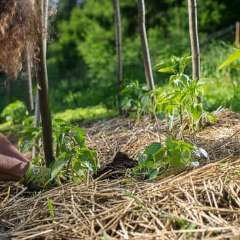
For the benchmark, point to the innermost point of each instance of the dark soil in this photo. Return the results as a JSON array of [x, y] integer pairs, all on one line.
[[117, 167]]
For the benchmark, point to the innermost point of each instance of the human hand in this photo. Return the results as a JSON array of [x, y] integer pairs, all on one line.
[[13, 164]]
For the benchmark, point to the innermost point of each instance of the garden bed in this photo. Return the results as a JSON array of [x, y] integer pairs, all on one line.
[[195, 204]]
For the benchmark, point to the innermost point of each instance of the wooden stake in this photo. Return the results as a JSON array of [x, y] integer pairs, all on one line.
[[29, 75], [43, 96], [118, 40], [194, 39], [145, 47]]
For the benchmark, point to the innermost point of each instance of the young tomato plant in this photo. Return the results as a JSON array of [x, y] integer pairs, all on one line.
[[181, 100], [74, 160], [160, 158]]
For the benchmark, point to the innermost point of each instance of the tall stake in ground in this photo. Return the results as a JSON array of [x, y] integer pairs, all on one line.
[[145, 48], [45, 4], [193, 30], [118, 40], [43, 93], [29, 75]]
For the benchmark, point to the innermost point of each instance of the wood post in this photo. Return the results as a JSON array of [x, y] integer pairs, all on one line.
[[118, 40], [43, 95], [29, 76], [45, 35], [145, 47], [194, 39]]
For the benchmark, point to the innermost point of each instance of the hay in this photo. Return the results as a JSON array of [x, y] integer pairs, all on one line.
[[120, 134], [203, 203]]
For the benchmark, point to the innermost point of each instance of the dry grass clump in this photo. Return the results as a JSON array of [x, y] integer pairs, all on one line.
[[18, 28]]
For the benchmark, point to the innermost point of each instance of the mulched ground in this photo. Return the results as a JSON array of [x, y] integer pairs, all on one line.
[[202, 203]]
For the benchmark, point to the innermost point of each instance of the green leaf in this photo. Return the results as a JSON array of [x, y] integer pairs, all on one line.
[[152, 149], [153, 173], [57, 167], [197, 112], [79, 135], [232, 58], [168, 69]]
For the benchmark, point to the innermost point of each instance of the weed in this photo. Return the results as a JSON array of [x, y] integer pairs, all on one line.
[[51, 208]]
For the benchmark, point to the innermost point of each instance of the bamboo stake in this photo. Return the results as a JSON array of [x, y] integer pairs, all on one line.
[[29, 73], [43, 96], [45, 36], [194, 39], [118, 40], [145, 47]]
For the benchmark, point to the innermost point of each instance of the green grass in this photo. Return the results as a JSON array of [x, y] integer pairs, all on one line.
[[77, 115], [85, 114]]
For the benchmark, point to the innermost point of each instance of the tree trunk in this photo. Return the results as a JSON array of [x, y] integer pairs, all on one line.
[[29, 74], [43, 96], [118, 40], [193, 30], [144, 41]]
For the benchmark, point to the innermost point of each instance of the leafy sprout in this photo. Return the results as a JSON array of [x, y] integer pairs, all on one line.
[[159, 158]]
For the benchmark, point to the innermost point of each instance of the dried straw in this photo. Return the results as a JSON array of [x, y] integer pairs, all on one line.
[[202, 203]]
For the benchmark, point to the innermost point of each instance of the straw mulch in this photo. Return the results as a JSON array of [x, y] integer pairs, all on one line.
[[120, 134], [202, 203]]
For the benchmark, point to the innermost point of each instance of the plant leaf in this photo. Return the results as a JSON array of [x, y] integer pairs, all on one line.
[[79, 135], [232, 58], [152, 149], [57, 167]]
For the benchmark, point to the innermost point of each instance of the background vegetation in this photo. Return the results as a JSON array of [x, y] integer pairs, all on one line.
[[81, 56]]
